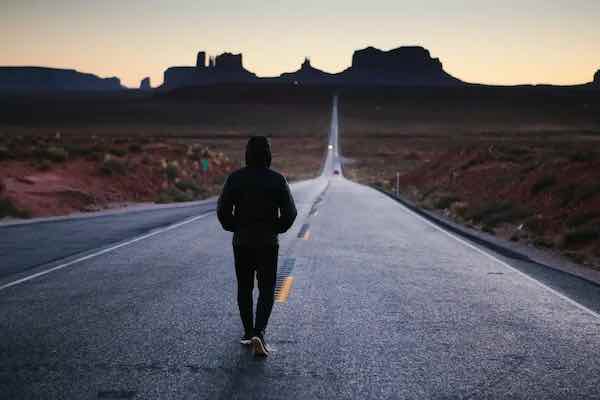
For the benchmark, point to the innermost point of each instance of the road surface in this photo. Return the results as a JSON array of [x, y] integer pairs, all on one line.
[[379, 304]]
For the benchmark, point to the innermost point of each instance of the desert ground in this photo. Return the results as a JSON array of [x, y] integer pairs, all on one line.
[[521, 163], [62, 153]]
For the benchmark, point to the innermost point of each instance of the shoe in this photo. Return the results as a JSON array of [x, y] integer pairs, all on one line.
[[246, 340], [259, 346]]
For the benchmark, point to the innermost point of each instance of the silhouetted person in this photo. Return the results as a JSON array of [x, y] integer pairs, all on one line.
[[256, 204]]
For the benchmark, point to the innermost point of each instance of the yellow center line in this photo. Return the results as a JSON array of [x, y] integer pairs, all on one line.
[[282, 294]]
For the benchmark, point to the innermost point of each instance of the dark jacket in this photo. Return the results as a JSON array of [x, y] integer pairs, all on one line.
[[256, 203]]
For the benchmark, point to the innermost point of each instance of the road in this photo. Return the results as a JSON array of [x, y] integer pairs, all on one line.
[[382, 305]]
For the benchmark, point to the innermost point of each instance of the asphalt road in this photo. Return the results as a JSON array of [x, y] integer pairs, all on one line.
[[383, 305]]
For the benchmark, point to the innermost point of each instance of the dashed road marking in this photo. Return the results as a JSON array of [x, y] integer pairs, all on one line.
[[303, 230], [282, 294], [283, 285]]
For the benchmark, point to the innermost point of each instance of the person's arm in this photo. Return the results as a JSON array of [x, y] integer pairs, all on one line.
[[225, 208], [287, 209]]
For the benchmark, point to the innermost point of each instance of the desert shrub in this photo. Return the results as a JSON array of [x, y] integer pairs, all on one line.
[[543, 183], [188, 185], [117, 151], [43, 165], [513, 154], [582, 235], [197, 153], [583, 156], [220, 179], [56, 154], [172, 170], [459, 208], [487, 228], [113, 166], [566, 194], [427, 192], [542, 242], [527, 168], [535, 225], [445, 201], [585, 192], [471, 163], [493, 213], [99, 148], [76, 149], [575, 256], [9, 209], [135, 148], [582, 219], [4, 153], [174, 195]]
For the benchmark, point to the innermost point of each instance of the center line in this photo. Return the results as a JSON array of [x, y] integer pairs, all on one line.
[[282, 295]]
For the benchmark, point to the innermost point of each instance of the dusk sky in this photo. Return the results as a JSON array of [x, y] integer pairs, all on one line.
[[497, 42]]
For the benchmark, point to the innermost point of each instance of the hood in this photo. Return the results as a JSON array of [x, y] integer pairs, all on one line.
[[258, 152]]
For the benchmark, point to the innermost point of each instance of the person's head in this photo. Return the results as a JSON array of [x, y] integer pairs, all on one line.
[[258, 152]]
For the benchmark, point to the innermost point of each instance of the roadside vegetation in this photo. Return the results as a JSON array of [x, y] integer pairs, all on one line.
[[525, 168], [54, 174]]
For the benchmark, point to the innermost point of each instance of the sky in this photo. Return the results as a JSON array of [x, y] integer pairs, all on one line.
[[494, 42]]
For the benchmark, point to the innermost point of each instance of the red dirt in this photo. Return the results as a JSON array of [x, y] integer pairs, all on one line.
[[79, 184], [549, 189], [541, 191]]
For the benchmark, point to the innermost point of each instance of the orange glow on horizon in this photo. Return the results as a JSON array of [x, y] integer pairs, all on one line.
[[529, 41]]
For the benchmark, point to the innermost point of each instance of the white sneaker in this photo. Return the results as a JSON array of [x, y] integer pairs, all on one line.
[[246, 340], [259, 346]]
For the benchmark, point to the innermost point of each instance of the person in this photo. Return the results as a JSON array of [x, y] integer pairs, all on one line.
[[256, 205]]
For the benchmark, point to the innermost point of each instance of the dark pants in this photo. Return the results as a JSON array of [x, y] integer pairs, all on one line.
[[263, 260]]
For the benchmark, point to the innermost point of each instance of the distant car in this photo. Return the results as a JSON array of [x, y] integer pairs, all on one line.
[[336, 171]]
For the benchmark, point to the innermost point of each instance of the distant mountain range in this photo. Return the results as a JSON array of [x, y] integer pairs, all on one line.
[[403, 66], [51, 79]]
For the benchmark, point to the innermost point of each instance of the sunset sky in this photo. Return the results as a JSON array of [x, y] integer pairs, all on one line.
[[498, 42]]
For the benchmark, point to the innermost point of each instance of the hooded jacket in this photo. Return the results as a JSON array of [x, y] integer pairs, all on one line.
[[256, 203]]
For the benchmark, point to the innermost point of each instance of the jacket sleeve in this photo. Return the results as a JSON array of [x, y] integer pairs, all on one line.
[[287, 209], [225, 208]]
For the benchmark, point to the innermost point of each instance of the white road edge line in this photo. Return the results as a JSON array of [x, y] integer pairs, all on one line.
[[491, 256], [104, 251]]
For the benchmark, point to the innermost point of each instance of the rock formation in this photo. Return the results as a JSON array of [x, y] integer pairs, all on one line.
[[597, 78], [145, 84], [201, 59], [45, 79], [410, 65], [229, 62], [224, 68], [307, 74], [405, 66]]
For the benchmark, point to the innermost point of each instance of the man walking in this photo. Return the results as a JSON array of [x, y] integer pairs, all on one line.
[[256, 204]]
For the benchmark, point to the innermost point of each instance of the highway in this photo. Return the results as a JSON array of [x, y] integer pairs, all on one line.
[[378, 304]]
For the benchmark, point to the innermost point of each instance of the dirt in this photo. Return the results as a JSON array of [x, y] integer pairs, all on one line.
[[38, 186], [38, 180], [54, 146], [521, 163]]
